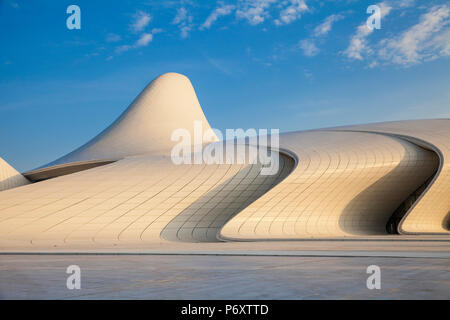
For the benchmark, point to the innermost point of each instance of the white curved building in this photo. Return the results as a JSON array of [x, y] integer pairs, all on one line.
[[345, 183], [9, 177], [431, 213], [122, 188]]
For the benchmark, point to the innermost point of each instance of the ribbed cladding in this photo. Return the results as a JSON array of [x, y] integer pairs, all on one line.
[[10, 177], [346, 184], [405, 206], [429, 215], [203, 220]]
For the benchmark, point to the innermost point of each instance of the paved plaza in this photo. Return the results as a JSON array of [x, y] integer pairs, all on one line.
[[221, 277]]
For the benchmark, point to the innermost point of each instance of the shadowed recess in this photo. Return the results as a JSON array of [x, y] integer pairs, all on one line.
[[399, 213], [64, 169], [410, 175], [447, 221], [202, 220]]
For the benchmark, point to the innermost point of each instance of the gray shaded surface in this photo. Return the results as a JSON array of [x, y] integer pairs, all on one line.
[[278, 253], [222, 277]]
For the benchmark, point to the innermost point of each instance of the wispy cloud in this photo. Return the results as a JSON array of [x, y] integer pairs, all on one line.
[[184, 22], [123, 48], [291, 12], [181, 16], [221, 66], [112, 37], [222, 10], [358, 42], [426, 40], [325, 27], [141, 20], [308, 47], [143, 41], [405, 3], [258, 11], [14, 4], [254, 11]]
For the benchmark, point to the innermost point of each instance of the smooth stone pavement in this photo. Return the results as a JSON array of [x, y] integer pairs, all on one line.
[[221, 277]]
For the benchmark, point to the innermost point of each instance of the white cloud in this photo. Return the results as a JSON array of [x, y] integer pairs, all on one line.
[[426, 40], [223, 10], [405, 3], [184, 31], [144, 40], [123, 48], [254, 11], [184, 22], [112, 37], [291, 12], [157, 30], [141, 20], [358, 42], [308, 47], [441, 42], [181, 16], [326, 25]]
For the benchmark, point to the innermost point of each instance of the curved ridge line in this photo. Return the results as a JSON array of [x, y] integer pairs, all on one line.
[[287, 153], [422, 144]]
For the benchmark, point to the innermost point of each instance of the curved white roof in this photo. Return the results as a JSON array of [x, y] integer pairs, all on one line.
[[431, 213], [10, 177]]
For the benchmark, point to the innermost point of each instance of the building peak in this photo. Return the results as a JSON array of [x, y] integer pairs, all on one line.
[[167, 103]]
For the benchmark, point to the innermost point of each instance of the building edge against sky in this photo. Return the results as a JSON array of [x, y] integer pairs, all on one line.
[[121, 188]]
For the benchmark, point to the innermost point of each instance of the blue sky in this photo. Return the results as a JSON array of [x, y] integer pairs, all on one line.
[[289, 64]]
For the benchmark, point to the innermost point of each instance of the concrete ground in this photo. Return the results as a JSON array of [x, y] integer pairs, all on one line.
[[404, 246], [221, 277]]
